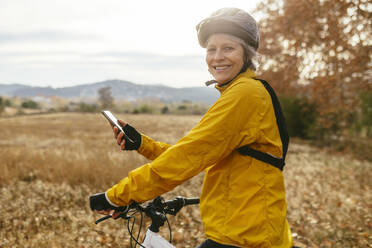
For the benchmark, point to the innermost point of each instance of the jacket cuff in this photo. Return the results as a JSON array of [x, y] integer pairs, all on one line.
[[115, 195], [143, 147], [110, 202]]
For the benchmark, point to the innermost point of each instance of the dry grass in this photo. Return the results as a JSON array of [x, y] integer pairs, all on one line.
[[76, 148], [50, 164], [329, 198]]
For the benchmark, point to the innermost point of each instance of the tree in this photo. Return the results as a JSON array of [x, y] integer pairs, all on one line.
[[1, 105], [105, 97], [320, 49], [165, 110]]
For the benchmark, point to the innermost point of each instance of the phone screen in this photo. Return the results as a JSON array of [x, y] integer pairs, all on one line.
[[112, 119]]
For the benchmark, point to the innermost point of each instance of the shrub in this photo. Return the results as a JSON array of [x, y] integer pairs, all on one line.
[[165, 110], [144, 109], [362, 118], [300, 115], [366, 98], [30, 104], [85, 107], [7, 103], [182, 107], [1, 104]]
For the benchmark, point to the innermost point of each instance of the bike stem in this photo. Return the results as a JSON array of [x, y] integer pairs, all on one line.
[[153, 210], [157, 220]]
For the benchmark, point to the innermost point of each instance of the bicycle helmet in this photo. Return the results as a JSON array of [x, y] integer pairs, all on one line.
[[231, 21]]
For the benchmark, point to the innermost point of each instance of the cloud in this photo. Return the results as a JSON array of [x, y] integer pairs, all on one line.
[[14, 54], [44, 35], [63, 68], [70, 42], [119, 58], [150, 60]]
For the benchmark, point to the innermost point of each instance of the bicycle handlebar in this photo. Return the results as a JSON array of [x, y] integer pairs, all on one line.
[[192, 201], [180, 200], [156, 206], [175, 205], [157, 210]]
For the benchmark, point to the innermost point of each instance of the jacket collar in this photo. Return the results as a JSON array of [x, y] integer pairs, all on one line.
[[246, 74]]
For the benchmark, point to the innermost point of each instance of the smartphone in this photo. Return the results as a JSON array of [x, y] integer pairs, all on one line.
[[112, 119]]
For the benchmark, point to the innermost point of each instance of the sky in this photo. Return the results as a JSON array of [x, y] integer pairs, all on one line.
[[64, 43]]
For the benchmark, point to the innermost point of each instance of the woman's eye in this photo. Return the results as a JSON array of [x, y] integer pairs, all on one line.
[[228, 48], [211, 50]]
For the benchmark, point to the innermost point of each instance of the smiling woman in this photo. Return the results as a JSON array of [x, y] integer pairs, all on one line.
[[243, 200], [225, 57]]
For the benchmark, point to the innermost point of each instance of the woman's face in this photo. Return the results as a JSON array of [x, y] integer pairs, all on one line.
[[224, 57]]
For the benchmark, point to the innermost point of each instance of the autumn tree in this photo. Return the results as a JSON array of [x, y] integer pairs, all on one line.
[[105, 97], [320, 49]]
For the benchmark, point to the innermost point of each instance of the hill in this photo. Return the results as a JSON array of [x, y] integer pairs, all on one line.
[[121, 90]]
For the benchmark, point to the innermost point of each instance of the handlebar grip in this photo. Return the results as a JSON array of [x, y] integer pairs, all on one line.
[[103, 218], [191, 201]]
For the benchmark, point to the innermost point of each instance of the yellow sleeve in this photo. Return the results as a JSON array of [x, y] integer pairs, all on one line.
[[234, 116], [150, 148]]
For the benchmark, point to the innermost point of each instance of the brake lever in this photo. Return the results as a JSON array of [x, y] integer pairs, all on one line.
[[121, 215]]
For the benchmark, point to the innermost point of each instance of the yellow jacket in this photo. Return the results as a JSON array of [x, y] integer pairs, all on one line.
[[243, 199]]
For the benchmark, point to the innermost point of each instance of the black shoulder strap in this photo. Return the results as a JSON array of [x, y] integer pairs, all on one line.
[[282, 126]]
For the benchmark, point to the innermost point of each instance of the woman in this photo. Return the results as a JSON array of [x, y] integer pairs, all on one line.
[[242, 202]]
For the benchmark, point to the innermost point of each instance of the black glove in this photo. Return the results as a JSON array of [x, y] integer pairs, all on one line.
[[99, 202], [135, 137]]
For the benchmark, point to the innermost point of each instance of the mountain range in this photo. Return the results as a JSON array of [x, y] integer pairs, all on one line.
[[120, 90]]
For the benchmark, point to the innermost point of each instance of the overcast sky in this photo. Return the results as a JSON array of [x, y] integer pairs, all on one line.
[[62, 43]]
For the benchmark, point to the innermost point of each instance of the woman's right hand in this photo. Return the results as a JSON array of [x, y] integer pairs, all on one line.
[[99, 203], [134, 141]]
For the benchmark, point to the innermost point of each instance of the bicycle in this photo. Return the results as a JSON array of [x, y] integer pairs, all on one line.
[[157, 210]]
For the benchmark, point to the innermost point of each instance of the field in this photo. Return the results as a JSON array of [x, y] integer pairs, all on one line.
[[50, 164]]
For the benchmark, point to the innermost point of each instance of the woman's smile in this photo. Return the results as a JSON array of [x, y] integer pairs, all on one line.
[[221, 68]]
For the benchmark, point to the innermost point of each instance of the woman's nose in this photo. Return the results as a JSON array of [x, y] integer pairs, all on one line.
[[219, 55]]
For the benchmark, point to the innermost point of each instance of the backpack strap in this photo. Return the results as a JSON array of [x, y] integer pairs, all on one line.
[[282, 126]]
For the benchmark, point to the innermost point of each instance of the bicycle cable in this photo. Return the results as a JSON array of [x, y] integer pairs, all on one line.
[[157, 211], [130, 231], [170, 229]]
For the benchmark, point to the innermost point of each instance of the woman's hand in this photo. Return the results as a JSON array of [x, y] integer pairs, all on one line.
[[119, 135], [133, 140], [100, 204]]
